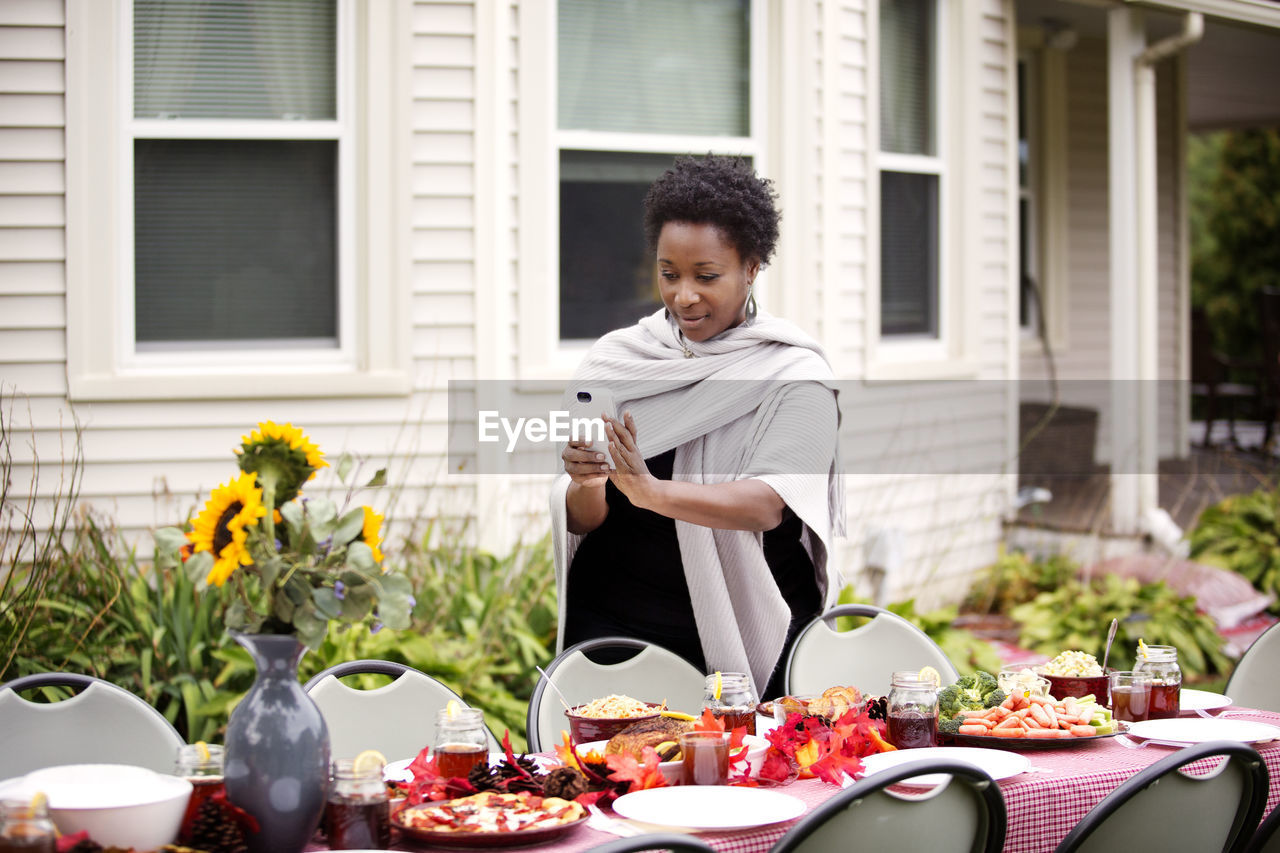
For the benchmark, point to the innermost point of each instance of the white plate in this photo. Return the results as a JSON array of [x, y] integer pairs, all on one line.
[[1201, 700], [398, 771], [1200, 729], [997, 763], [713, 807]]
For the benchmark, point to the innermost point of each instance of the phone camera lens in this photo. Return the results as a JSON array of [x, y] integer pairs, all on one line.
[[584, 397]]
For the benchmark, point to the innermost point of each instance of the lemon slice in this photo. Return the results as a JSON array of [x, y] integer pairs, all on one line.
[[931, 674], [39, 802], [680, 715], [719, 686], [1142, 650], [369, 761], [451, 710], [203, 749]]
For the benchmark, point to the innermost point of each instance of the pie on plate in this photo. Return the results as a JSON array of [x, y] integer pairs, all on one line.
[[501, 818]]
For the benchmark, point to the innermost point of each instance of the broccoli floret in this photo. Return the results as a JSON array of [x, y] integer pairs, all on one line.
[[950, 726], [994, 698], [986, 682], [967, 682], [951, 701]]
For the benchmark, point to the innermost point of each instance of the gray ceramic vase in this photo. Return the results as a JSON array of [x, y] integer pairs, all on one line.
[[277, 758]]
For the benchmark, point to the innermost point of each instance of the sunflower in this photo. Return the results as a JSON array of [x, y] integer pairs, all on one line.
[[372, 533], [222, 526], [283, 456]]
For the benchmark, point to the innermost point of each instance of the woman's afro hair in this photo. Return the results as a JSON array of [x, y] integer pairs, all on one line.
[[721, 191]]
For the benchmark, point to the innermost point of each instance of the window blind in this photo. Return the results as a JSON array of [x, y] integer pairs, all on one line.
[[234, 240], [247, 59], [655, 66], [907, 72], [908, 254]]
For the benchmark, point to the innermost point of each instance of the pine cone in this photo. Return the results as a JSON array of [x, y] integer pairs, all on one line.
[[564, 782], [877, 707], [214, 830]]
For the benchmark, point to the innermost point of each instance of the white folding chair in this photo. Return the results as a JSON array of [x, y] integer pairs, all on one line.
[[650, 675], [677, 842], [1161, 808], [102, 724], [865, 657], [1253, 683], [397, 719], [965, 814]]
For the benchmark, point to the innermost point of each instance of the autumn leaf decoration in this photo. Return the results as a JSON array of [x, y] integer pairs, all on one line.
[[811, 746], [641, 774]]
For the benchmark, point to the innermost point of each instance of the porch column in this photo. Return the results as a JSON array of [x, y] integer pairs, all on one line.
[[1132, 200]]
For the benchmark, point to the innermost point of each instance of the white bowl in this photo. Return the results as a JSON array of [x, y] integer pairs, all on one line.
[[756, 748], [117, 804]]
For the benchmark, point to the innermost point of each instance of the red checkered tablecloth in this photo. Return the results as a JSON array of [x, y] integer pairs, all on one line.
[[1043, 804]]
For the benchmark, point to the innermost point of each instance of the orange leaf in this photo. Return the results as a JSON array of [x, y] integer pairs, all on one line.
[[709, 722], [641, 775]]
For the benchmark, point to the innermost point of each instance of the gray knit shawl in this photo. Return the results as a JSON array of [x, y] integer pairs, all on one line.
[[717, 429]]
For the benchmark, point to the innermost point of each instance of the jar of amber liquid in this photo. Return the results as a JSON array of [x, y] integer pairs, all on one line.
[[1160, 663], [201, 765], [461, 741], [731, 699], [25, 827], [357, 815]]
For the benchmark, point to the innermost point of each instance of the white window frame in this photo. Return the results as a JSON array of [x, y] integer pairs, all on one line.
[[542, 352], [372, 356], [952, 354], [1031, 194]]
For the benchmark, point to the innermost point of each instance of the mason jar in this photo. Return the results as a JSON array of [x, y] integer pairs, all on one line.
[[731, 699], [1161, 664], [461, 741], [201, 765], [911, 711], [25, 827], [357, 815]]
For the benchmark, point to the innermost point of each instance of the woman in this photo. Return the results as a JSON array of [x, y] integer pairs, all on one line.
[[711, 535]]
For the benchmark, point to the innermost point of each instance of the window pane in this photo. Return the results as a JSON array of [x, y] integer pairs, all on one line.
[[907, 98], [908, 254], [607, 277], [235, 240], [657, 66], [258, 59]]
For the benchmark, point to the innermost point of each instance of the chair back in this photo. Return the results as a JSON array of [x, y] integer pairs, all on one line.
[[1253, 682], [1267, 838], [865, 657], [651, 674], [965, 814], [1162, 808], [102, 724], [397, 719]]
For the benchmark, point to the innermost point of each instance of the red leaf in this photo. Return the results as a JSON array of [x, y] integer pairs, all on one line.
[[641, 775], [709, 722]]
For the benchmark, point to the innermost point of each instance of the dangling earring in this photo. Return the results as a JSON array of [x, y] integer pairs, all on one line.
[[751, 302]]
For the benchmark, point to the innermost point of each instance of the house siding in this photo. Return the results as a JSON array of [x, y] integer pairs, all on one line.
[[149, 462]]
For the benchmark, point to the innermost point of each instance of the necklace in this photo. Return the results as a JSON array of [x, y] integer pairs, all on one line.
[[688, 353]]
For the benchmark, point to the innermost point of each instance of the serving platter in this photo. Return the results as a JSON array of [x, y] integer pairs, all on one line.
[[514, 838], [716, 808], [998, 764], [990, 742]]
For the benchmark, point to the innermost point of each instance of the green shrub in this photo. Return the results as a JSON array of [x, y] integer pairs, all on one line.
[[1077, 615], [1242, 533], [1015, 578]]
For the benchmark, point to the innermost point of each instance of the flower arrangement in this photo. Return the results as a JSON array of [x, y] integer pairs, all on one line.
[[294, 563]]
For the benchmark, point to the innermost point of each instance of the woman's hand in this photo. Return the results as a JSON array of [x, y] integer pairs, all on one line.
[[585, 466], [631, 474]]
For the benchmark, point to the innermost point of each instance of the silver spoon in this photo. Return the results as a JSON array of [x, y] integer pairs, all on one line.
[[552, 685], [1106, 653]]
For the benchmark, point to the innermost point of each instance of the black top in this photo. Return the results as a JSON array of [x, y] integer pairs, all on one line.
[[627, 578]]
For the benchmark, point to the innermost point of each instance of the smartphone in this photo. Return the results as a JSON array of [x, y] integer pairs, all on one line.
[[585, 407]]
